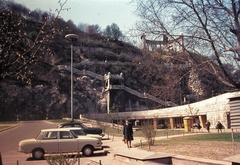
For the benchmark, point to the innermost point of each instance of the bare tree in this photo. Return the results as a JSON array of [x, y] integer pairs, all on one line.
[[92, 29], [19, 50], [210, 29], [149, 132]]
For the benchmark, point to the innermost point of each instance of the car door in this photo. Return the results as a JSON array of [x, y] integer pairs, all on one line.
[[67, 142], [49, 142]]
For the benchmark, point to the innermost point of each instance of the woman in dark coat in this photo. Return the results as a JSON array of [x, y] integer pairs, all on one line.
[[128, 133]]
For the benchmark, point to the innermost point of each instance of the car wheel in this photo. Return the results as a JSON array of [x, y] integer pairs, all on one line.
[[87, 150], [37, 153]]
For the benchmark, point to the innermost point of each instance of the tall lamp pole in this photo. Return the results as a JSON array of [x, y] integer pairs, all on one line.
[[72, 38]]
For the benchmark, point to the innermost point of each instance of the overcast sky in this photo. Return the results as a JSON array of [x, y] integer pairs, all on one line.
[[101, 12]]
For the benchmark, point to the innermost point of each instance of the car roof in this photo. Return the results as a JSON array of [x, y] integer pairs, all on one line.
[[72, 122], [57, 129], [72, 128]]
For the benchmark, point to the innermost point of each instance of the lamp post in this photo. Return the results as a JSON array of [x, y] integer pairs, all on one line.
[[72, 38]]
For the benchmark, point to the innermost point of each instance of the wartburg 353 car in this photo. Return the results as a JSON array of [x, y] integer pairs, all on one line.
[[53, 141]]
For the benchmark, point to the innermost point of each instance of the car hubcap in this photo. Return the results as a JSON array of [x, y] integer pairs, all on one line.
[[88, 151], [38, 154]]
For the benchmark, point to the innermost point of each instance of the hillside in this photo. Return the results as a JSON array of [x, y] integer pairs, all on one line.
[[32, 87]]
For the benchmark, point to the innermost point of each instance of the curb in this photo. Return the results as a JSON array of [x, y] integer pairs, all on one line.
[[10, 126]]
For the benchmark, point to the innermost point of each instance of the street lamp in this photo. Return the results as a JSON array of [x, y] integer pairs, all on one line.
[[72, 38]]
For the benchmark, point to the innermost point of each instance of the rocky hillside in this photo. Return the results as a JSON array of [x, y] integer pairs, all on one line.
[[33, 87]]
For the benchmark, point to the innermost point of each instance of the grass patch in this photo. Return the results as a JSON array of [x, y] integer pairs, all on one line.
[[195, 139], [139, 133], [170, 132], [221, 137], [3, 127], [9, 122], [226, 137]]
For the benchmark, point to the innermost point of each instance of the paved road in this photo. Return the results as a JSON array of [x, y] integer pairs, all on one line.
[[9, 140]]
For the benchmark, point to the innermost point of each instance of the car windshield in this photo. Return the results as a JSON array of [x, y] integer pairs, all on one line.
[[74, 135], [39, 135], [66, 125], [83, 126]]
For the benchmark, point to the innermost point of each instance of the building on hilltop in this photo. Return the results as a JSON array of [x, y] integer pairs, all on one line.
[[176, 44]]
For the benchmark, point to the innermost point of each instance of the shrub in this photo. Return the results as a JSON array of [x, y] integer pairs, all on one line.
[[149, 132], [61, 159]]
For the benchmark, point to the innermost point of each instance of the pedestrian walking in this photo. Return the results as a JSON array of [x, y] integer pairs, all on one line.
[[208, 126], [128, 133], [219, 126]]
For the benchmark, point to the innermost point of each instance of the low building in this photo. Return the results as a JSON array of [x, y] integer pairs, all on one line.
[[224, 108]]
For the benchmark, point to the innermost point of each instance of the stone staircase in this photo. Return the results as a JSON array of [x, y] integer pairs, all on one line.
[[127, 89]]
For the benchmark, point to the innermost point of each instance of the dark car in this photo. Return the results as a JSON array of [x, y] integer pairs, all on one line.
[[87, 130]]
